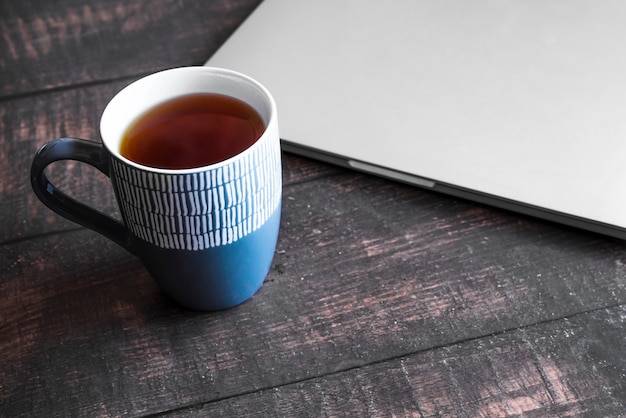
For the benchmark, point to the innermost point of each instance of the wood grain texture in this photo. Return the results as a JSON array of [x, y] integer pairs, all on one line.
[[47, 44], [86, 332], [563, 368], [382, 300], [28, 123]]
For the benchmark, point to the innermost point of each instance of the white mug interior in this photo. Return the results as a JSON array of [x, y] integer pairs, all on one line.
[[142, 95]]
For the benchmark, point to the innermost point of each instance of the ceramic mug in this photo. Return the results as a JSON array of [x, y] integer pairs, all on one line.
[[207, 235]]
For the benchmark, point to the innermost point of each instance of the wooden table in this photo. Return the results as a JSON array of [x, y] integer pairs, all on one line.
[[383, 299]]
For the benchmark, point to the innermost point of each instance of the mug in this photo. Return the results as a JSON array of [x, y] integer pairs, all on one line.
[[207, 235]]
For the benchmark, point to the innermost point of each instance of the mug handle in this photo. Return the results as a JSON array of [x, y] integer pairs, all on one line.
[[92, 153]]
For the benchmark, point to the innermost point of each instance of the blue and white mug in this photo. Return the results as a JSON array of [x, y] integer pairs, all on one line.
[[207, 235]]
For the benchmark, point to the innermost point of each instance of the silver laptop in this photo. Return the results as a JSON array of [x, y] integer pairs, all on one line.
[[520, 104]]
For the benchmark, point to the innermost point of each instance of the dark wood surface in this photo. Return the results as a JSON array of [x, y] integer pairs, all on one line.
[[383, 299]]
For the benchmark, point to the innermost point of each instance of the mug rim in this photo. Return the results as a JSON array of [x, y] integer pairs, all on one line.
[[224, 72]]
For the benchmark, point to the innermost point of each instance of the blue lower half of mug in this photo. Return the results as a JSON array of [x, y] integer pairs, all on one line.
[[215, 278]]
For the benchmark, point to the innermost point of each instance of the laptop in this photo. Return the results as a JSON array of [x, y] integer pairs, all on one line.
[[516, 104]]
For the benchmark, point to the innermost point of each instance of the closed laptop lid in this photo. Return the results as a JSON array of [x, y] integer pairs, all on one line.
[[520, 104]]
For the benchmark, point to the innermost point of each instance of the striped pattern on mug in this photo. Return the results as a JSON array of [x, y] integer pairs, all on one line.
[[203, 209]]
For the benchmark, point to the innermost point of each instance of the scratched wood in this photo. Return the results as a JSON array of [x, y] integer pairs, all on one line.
[[564, 368], [28, 123], [86, 332], [50, 44], [382, 299]]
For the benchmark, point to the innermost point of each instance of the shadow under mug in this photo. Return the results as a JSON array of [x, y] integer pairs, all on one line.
[[207, 235]]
